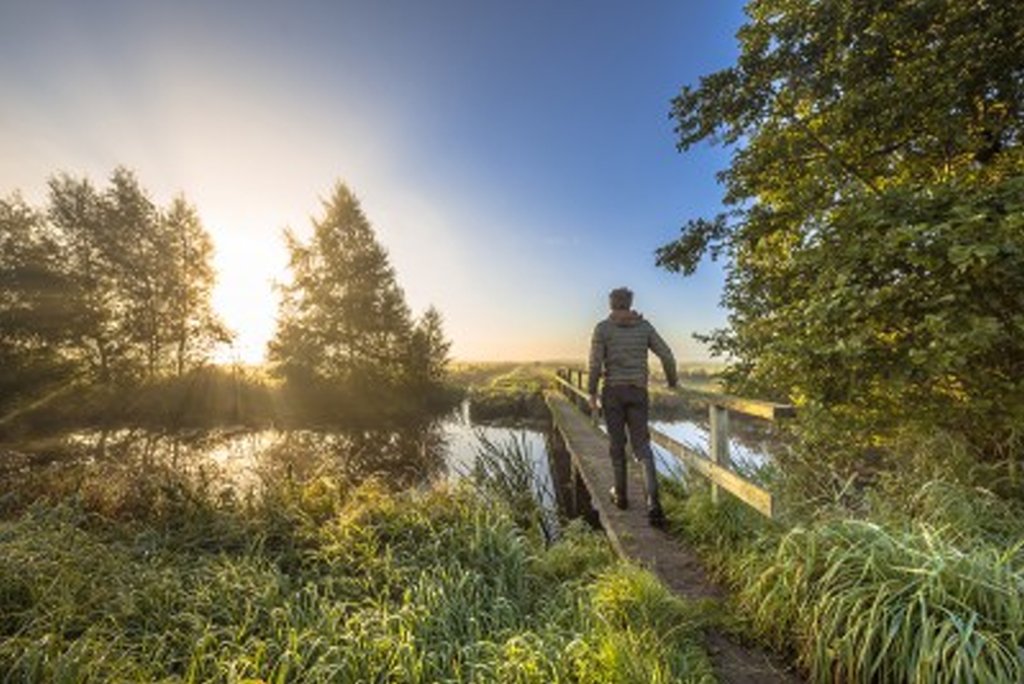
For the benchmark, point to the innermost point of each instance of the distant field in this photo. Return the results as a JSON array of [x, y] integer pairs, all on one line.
[[521, 375], [480, 374]]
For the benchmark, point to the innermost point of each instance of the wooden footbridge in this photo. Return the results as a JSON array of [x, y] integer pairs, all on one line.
[[581, 453]]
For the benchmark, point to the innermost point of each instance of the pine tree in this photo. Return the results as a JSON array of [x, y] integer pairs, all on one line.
[[428, 356], [343, 318]]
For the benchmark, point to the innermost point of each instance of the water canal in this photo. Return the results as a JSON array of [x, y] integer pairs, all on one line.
[[236, 465]]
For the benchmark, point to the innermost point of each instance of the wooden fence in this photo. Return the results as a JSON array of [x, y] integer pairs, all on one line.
[[718, 467]]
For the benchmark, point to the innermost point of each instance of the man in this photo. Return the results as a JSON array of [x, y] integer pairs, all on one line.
[[618, 352]]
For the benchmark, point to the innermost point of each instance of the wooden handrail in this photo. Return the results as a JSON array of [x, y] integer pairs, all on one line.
[[717, 468], [758, 408]]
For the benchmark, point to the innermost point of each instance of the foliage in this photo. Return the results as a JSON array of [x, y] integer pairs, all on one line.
[[343, 318], [105, 283], [931, 593], [874, 242], [330, 584], [506, 471]]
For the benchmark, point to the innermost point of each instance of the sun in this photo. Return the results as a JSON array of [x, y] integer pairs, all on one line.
[[248, 265]]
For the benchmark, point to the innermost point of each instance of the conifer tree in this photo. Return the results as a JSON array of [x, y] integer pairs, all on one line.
[[343, 317], [428, 358]]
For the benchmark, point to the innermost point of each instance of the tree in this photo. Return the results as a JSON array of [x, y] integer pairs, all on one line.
[[874, 233], [142, 268], [428, 357], [193, 327], [343, 318], [76, 217], [132, 282], [34, 307]]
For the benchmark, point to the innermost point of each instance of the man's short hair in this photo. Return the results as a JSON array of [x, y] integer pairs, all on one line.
[[620, 298]]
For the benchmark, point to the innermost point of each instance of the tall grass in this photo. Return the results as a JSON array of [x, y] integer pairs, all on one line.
[[506, 471], [318, 581], [933, 595]]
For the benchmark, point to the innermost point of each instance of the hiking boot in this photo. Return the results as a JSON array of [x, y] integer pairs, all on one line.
[[656, 517], [620, 501]]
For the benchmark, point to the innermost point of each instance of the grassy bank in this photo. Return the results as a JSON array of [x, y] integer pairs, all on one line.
[[322, 582], [925, 590], [501, 391], [508, 390], [218, 396]]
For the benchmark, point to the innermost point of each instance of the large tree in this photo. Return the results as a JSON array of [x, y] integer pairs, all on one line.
[[343, 318], [874, 239], [34, 306], [106, 281]]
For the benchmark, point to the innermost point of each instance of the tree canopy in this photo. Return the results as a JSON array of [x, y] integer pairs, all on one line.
[[104, 283], [874, 233], [343, 318]]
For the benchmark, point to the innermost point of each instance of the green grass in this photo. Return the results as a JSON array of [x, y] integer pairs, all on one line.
[[321, 582], [932, 593], [504, 391], [506, 471]]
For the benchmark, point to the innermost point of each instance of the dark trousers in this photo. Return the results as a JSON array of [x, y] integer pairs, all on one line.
[[625, 407]]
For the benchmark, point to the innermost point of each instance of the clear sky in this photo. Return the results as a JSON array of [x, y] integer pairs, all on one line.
[[515, 158]]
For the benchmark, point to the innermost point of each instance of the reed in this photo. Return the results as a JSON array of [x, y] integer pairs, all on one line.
[[507, 471]]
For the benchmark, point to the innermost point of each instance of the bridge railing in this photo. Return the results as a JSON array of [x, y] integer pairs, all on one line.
[[717, 466]]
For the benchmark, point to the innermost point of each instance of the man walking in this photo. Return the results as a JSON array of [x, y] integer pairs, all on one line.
[[618, 352]]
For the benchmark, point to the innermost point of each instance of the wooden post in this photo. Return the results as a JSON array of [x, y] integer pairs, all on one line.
[[575, 487], [560, 464], [719, 416]]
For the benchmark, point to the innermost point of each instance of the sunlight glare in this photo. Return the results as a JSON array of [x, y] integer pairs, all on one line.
[[247, 266]]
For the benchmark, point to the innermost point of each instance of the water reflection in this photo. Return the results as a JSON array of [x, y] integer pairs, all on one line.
[[116, 472], [750, 447], [128, 471]]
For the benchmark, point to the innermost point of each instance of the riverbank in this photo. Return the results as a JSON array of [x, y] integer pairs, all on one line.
[[322, 582]]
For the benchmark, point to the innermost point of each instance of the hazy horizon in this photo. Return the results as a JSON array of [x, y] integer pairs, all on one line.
[[516, 162]]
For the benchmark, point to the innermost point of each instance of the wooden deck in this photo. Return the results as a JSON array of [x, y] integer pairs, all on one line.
[[634, 539]]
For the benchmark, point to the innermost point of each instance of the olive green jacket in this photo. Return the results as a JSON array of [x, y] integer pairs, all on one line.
[[618, 351]]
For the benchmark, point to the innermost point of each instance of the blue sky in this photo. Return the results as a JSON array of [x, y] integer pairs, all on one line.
[[516, 159]]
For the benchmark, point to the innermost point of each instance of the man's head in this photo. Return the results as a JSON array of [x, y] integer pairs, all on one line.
[[620, 299]]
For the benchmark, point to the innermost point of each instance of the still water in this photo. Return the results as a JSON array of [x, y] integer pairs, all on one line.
[[124, 465]]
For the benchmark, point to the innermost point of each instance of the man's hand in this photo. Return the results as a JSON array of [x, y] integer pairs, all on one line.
[[593, 403]]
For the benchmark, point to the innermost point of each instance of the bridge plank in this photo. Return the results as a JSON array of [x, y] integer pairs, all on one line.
[[628, 531], [633, 539]]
